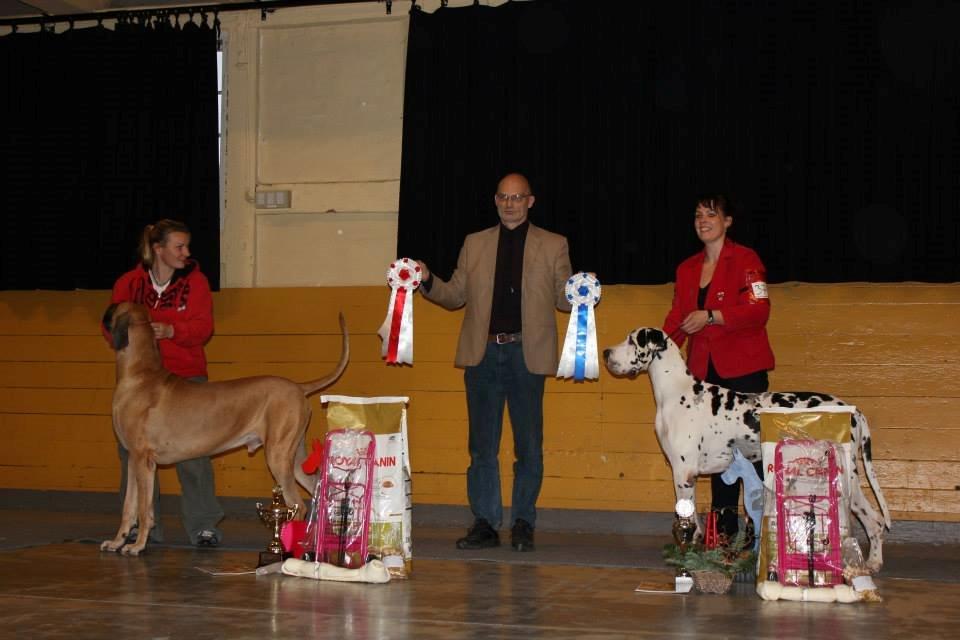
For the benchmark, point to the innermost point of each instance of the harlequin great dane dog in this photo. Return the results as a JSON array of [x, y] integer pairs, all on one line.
[[699, 425], [160, 418]]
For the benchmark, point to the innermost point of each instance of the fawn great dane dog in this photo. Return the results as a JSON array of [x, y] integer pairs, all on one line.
[[160, 418], [699, 425]]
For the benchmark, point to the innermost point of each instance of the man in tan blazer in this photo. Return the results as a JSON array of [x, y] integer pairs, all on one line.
[[509, 278]]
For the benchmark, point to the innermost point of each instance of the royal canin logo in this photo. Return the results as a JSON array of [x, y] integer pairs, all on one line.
[[805, 467]]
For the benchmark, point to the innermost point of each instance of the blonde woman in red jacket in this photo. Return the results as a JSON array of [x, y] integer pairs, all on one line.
[[720, 308], [177, 293]]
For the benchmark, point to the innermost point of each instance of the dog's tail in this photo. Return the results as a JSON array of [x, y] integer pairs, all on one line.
[[865, 445], [313, 386]]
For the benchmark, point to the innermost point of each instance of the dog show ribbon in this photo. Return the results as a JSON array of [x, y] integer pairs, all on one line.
[[403, 276], [578, 359]]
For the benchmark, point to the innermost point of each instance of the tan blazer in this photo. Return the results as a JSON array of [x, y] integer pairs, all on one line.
[[546, 268]]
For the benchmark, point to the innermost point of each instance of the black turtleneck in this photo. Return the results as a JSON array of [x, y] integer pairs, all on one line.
[[507, 280]]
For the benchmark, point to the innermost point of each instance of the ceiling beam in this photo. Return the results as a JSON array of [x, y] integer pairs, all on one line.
[[161, 8]]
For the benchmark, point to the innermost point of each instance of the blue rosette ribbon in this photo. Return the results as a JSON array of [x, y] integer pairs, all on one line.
[[579, 360]]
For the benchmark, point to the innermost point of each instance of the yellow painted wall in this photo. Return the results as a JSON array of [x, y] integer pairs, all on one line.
[[313, 105], [890, 349]]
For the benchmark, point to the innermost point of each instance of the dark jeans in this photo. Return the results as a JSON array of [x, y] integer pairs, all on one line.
[[502, 376], [726, 497], [199, 508]]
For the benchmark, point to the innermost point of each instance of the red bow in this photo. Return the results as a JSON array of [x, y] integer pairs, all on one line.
[[312, 463]]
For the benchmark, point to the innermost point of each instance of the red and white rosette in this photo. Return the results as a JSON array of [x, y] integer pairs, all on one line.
[[403, 277]]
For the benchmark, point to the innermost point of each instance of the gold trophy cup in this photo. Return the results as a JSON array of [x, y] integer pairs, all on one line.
[[274, 515]]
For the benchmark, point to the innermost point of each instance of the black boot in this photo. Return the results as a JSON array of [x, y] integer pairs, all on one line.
[[521, 536], [480, 536]]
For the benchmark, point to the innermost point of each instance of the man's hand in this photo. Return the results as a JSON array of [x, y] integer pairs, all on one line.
[[424, 271]]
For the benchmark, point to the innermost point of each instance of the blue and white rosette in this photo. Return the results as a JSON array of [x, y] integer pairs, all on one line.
[[579, 360]]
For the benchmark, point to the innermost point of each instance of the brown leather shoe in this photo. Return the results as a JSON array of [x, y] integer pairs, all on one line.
[[480, 536]]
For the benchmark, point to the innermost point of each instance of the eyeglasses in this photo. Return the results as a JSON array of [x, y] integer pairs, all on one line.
[[514, 198]]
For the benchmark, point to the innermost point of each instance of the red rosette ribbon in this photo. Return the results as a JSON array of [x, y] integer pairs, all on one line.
[[403, 277]]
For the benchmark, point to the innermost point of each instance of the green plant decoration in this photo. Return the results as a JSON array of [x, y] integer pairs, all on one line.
[[730, 558]]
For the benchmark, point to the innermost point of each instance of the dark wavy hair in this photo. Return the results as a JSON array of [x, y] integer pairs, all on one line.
[[719, 201]]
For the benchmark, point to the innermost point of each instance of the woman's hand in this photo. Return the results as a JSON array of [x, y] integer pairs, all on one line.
[[694, 322], [162, 330]]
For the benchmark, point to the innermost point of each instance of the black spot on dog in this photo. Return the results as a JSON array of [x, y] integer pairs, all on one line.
[[715, 399], [683, 399], [781, 400], [867, 450], [813, 402], [750, 419], [682, 459], [731, 396], [730, 443], [698, 387], [805, 396], [698, 447]]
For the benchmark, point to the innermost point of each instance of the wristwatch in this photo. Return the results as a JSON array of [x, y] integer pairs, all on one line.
[[709, 316]]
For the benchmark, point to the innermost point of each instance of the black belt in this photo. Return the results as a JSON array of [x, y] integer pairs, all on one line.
[[504, 338]]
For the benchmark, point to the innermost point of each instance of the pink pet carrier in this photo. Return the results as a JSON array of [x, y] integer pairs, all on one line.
[[339, 522], [808, 517]]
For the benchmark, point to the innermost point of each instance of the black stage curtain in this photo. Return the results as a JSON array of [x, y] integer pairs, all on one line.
[[834, 123], [104, 131]]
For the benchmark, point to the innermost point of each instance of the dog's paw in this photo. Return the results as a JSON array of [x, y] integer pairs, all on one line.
[[132, 549], [111, 545]]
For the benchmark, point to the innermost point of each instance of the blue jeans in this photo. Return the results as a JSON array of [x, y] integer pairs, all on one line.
[[502, 376]]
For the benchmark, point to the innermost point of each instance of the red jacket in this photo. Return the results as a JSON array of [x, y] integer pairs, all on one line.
[[739, 346], [186, 304]]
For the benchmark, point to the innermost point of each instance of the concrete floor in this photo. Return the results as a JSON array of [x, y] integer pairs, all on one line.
[[54, 582]]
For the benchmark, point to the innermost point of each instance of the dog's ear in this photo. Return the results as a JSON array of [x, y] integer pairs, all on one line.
[[108, 318], [653, 339], [120, 332], [658, 339]]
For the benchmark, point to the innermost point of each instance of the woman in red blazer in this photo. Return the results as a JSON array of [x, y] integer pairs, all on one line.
[[720, 305]]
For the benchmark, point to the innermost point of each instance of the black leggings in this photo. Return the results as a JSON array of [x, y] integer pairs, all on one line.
[[726, 497]]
